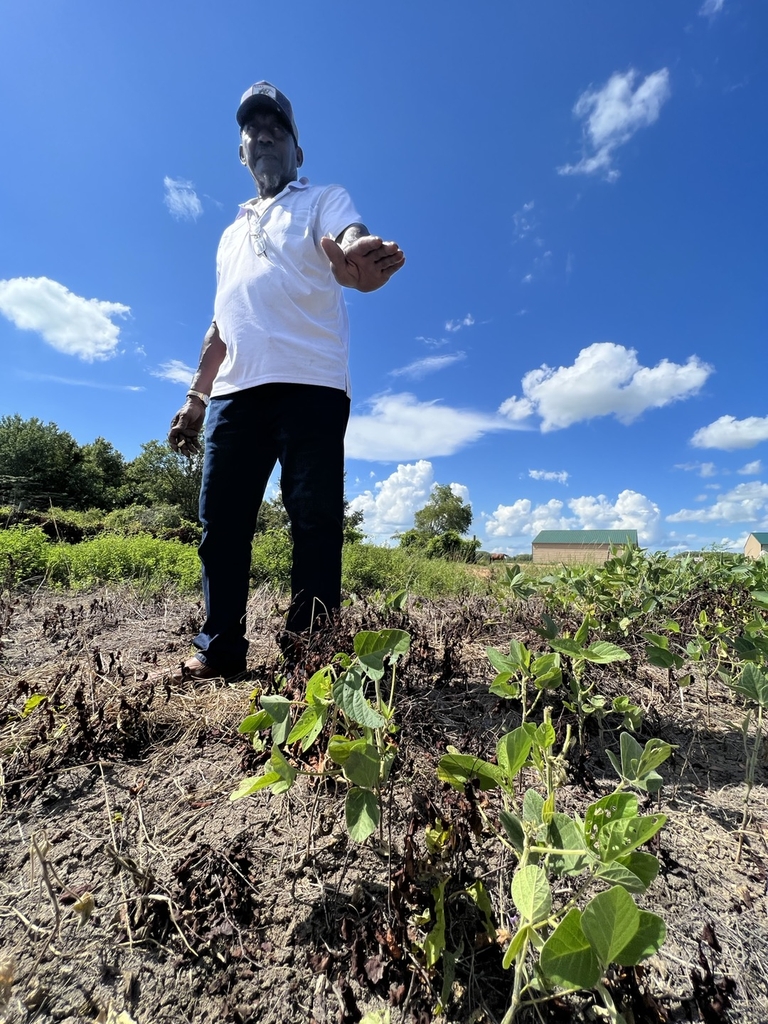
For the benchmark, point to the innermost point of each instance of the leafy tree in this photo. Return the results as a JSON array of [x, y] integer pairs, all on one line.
[[444, 511], [100, 476], [161, 475], [38, 462]]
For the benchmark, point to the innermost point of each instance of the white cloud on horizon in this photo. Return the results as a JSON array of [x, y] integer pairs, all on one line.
[[613, 114], [389, 508], [747, 502], [605, 379], [65, 321], [456, 325], [400, 427], [430, 364], [727, 433], [175, 371], [630, 511], [181, 199], [543, 474]]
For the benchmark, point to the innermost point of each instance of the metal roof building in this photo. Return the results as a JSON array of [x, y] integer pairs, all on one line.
[[756, 545], [580, 545]]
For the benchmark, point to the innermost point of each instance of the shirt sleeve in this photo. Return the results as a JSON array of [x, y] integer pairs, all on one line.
[[335, 211]]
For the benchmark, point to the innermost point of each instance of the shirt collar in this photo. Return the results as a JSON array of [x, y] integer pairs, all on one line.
[[249, 204]]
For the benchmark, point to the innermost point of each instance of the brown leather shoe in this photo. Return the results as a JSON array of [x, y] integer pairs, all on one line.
[[194, 669]]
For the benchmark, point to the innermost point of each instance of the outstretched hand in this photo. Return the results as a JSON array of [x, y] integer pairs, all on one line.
[[366, 264]]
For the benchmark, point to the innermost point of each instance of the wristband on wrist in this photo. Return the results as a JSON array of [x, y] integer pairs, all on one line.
[[205, 399]]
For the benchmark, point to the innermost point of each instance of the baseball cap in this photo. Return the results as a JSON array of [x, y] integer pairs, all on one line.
[[265, 94]]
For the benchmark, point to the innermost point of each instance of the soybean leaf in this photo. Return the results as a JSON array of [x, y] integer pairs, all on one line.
[[479, 894], [319, 686], [254, 784], [348, 694], [256, 722], [567, 958], [545, 735], [362, 767], [38, 698], [280, 710], [502, 687], [654, 753], [651, 932], [610, 921], [340, 748], [531, 894], [308, 727], [753, 684], [618, 838], [512, 752], [533, 806], [567, 834], [609, 808], [362, 813], [568, 647], [397, 641], [515, 946], [514, 829], [286, 774], [457, 769], [656, 640], [635, 871], [603, 653], [434, 944], [660, 658]]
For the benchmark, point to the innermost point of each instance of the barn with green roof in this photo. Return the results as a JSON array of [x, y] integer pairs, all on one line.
[[580, 545], [757, 545]]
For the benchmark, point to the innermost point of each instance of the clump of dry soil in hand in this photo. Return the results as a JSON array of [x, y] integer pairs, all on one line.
[[132, 889]]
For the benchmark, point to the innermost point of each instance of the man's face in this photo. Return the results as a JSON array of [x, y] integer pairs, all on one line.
[[269, 151]]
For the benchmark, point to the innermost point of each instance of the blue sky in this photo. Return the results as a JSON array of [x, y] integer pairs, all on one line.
[[577, 339]]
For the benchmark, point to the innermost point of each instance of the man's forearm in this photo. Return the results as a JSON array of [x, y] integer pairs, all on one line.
[[211, 357], [350, 234]]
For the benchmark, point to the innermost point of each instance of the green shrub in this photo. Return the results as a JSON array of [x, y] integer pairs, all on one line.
[[271, 557], [144, 560], [367, 568], [23, 555]]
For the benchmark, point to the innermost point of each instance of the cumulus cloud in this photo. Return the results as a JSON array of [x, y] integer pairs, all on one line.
[[606, 379], [181, 199], [431, 364], [710, 8], [613, 114], [398, 426], [389, 508], [175, 371], [728, 433], [456, 325], [751, 469], [747, 502], [543, 474], [630, 511], [67, 322]]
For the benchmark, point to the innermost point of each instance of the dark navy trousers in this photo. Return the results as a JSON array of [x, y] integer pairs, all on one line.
[[302, 427]]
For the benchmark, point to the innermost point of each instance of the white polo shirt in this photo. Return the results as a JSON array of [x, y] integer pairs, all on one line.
[[278, 307]]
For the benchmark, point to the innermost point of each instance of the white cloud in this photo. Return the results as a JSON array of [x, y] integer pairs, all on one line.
[[456, 325], [728, 433], [522, 222], [751, 468], [710, 8], [390, 506], [527, 279], [703, 469], [431, 364], [67, 322], [606, 379], [433, 342], [630, 511], [175, 371], [747, 502], [181, 199], [613, 114], [398, 426], [74, 383], [543, 474]]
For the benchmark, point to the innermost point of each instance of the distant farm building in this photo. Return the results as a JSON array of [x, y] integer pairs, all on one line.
[[581, 545], [757, 545]]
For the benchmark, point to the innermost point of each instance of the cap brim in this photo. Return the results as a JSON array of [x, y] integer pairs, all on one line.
[[261, 101]]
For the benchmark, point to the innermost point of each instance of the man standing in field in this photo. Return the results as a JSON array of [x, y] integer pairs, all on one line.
[[273, 375]]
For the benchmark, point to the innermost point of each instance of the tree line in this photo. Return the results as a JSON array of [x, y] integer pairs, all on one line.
[[42, 466]]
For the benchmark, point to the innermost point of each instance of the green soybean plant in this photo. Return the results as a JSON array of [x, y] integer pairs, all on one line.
[[360, 749], [570, 947], [751, 683]]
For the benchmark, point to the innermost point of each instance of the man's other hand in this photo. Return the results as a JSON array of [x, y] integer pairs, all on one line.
[[185, 428], [366, 264]]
